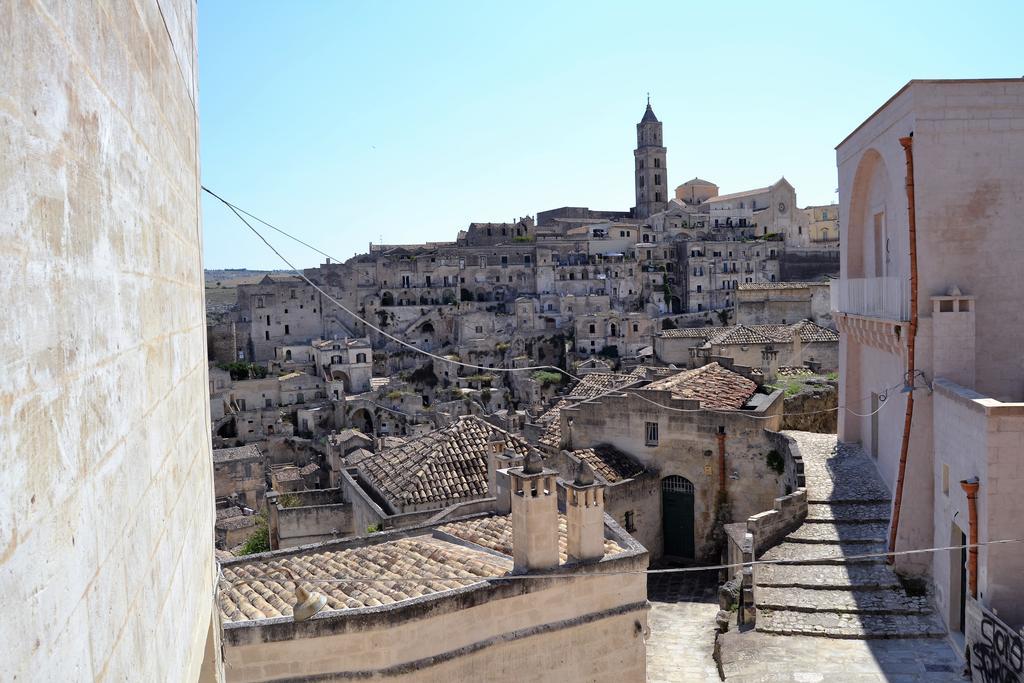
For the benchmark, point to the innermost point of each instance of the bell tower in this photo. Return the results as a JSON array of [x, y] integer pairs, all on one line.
[[650, 173]]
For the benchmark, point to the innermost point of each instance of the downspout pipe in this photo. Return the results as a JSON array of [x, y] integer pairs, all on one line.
[[721, 462], [908, 149], [970, 487]]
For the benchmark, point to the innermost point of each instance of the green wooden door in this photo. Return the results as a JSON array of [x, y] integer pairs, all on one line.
[[677, 516]]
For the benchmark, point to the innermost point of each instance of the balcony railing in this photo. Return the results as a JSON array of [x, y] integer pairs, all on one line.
[[876, 297]]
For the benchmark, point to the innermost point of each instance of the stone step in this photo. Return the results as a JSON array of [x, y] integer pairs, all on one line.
[[852, 626], [825, 553], [856, 576], [827, 498], [887, 601], [849, 532], [848, 512]]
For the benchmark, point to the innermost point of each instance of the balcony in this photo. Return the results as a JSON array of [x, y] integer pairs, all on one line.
[[877, 297]]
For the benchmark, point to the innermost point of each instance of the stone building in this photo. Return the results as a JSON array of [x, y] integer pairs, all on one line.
[[107, 552], [965, 140], [815, 226], [477, 618], [717, 267], [783, 302], [699, 436], [767, 347], [449, 468], [240, 474]]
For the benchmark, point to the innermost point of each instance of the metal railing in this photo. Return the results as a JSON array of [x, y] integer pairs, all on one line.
[[875, 297]]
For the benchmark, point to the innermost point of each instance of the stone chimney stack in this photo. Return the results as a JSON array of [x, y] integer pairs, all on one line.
[[495, 460], [770, 362], [584, 510], [534, 516]]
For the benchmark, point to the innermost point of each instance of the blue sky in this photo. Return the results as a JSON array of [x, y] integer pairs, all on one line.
[[352, 122]]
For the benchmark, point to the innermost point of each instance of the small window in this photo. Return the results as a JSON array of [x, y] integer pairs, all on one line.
[[651, 433], [629, 521], [945, 479], [592, 328], [286, 330], [266, 335]]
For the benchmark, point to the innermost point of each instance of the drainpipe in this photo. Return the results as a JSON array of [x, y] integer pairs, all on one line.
[[721, 461], [908, 149], [970, 487]]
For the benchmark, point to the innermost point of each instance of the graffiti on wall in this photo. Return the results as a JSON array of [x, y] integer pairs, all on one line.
[[997, 653]]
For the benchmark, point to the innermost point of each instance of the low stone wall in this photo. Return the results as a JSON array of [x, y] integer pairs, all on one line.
[[995, 652], [803, 411], [770, 527]]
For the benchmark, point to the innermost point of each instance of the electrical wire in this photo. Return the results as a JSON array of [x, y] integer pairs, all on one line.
[[669, 570], [532, 368], [238, 211]]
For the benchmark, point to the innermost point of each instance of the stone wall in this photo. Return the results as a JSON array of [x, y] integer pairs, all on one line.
[[771, 526], [995, 652], [812, 398], [808, 264], [106, 545]]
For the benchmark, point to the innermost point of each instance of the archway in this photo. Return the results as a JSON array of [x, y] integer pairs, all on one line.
[[362, 420], [346, 381], [387, 299], [676, 304], [677, 516]]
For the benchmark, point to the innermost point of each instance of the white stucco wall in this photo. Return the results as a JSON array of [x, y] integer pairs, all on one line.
[[106, 553]]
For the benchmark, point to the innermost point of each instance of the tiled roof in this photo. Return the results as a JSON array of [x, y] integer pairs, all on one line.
[[239, 453], [286, 473], [309, 469], [444, 465], [589, 386], [704, 333], [264, 597], [239, 522], [609, 463], [714, 386], [495, 533], [737, 195], [346, 435], [812, 332], [741, 334], [774, 285], [288, 376]]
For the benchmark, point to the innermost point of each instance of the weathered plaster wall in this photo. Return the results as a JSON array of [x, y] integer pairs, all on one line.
[[106, 553]]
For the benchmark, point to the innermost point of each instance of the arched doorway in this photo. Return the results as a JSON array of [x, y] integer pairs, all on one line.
[[363, 421], [677, 516], [676, 304], [387, 299]]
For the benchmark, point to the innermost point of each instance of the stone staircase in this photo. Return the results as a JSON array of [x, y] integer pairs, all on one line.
[[826, 589]]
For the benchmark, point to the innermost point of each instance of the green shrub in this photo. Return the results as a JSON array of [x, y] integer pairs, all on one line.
[[548, 377], [289, 500], [394, 395], [259, 540], [374, 528]]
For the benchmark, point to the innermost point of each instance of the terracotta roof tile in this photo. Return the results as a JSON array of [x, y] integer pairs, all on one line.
[[610, 463], [444, 465], [495, 533], [704, 333], [774, 285], [239, 453], [589, 386], [714, 386], [265, 596]]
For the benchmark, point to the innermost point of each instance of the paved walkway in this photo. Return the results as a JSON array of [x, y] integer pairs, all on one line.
[[833, 615], [681, 644]]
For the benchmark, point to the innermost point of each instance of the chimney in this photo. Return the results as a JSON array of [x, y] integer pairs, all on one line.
[[495, 461], [534, 516], [273, 528], [584, 510], [770, 362]]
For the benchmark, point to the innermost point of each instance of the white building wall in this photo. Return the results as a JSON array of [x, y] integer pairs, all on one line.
[[106, 545]]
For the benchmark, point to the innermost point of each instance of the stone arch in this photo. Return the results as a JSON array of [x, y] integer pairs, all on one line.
[[341, 376], [387, 299], [362, 419], [676, 304], [867, 204]]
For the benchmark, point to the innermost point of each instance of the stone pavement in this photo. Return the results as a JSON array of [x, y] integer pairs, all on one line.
[[680, 647], [839, 589], [832, 615]]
